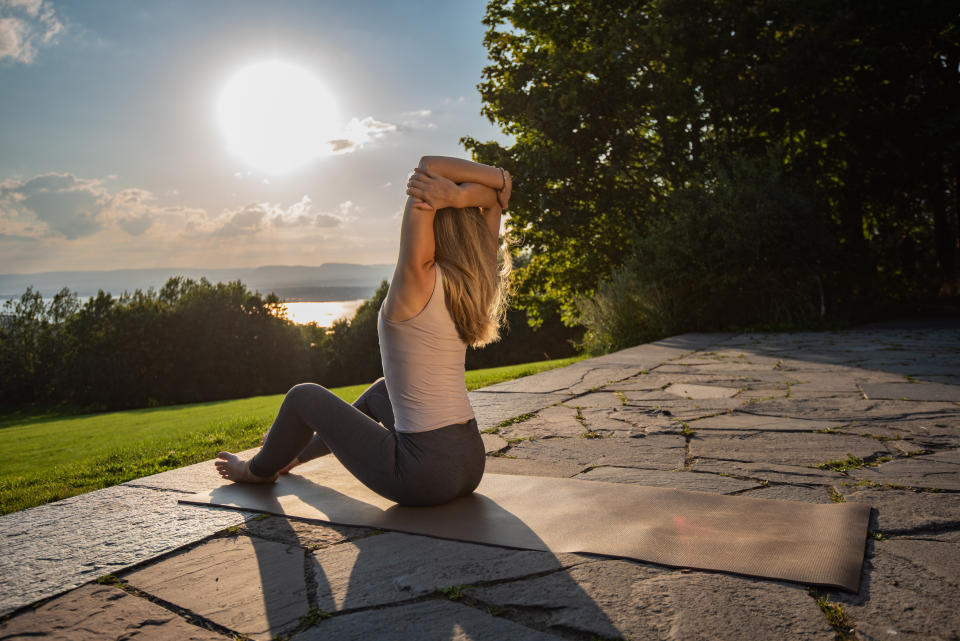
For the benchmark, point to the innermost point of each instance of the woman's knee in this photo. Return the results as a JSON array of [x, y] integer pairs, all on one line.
[[378, 387], [304, 393]]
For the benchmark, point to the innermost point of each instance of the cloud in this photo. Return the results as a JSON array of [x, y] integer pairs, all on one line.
[[417, 119], [68, 207], [130, 209], [62, 221], [64, 205], [26, 25], [358, 133], [255, 217], [52, 204]]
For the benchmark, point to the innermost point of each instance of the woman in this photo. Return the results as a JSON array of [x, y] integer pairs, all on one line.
[[412, 436]]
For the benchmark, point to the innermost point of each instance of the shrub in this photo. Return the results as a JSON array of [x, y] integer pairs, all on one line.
[[749, 245]]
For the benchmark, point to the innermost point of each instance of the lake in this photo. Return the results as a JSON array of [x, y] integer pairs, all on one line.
[[302, 313], [323, 314]]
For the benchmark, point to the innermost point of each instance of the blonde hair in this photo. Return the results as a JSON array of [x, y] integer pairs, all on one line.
[[475, 288]]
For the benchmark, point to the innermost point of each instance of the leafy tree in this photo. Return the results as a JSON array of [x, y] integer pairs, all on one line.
[[615, 106]]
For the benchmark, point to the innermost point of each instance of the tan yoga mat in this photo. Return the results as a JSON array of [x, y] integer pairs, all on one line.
[[804, 542]]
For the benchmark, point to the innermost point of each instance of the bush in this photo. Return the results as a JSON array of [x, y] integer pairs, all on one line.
[[749, 245]]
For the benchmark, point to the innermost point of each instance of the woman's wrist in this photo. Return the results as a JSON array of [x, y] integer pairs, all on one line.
[[462, 198]]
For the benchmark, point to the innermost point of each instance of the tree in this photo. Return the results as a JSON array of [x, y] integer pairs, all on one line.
[[615, 106]]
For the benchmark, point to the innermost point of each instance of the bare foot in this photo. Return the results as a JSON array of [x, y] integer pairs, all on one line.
[[233, 468]]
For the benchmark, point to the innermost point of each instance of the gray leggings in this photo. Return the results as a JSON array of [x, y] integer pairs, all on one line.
[[410, 468]]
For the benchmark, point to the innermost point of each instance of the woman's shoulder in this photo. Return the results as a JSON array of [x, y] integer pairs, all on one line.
[[410, 293]]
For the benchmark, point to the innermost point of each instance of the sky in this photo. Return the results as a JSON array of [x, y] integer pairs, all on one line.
[[224, 134]]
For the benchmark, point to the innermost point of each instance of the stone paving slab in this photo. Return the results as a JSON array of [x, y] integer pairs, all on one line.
[[389, 568], [676, 479], [296, 532], [901, 600], [772, 472], [739, 422], [904, 511], [698, 392], [805, 493], [532, 467], [102, 613], [249, 585], [849, 410], [937, 557], [493, 408], [663, 604], [628, 421], [937, 433], [912, 391], [557, 420], [661, 451], [597, 599], [690, 410], [596, 399], [915, 472], [798, 448], [61, 545], [429, 620]]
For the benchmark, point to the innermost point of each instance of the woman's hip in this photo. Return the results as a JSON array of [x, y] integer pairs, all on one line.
[[440, 465]]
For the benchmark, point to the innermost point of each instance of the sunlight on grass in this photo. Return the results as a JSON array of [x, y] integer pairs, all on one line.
[[47, 456]]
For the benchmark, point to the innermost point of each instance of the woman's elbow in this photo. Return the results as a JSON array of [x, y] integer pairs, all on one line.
[[427, 162]]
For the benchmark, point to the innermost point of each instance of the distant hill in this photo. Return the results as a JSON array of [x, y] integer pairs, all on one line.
[[330, 281]]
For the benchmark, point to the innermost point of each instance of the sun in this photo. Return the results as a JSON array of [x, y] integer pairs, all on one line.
[[277, 116]]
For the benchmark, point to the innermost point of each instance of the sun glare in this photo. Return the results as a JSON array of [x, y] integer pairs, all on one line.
[[277, 116]]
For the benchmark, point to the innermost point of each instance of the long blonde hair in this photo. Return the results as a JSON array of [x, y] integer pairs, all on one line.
[[475, 288]]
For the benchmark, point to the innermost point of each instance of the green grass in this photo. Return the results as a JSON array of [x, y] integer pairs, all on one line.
[[50, 456], [478, 378]]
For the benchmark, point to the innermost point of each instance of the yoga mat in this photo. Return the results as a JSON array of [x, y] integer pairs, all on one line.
[[804, 542]]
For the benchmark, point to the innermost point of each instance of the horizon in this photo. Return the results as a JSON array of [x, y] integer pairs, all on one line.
[[133, 137], [194, 268]]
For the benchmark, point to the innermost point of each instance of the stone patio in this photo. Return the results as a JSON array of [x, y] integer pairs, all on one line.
[[869, 415]]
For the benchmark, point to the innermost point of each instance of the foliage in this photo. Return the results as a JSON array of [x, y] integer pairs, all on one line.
[[626, 114], [521, 343], [191, 341], [747, 246]]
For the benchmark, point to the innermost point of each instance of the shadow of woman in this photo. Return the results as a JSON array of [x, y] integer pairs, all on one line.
[[417, 568]]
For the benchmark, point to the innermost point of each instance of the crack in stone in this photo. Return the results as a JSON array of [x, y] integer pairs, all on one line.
[[688, 457], [938, 528], [157, 489], [886, 418], [505, 613]]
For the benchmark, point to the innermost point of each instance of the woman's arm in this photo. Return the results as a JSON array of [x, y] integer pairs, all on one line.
[[413, 275], [459, 170]]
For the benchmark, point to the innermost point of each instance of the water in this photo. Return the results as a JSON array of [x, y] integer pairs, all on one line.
[[324, 314]]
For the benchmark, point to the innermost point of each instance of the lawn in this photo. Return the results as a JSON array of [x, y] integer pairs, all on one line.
[[45, 458]]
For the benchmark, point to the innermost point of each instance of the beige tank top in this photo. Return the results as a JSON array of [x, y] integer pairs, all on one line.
[[423, 364]]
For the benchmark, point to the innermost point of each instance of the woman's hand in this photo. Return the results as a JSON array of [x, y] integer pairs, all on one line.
[[503, 195], [432, 191]]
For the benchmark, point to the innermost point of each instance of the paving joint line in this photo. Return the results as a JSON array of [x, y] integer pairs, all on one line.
[[187, 615]]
